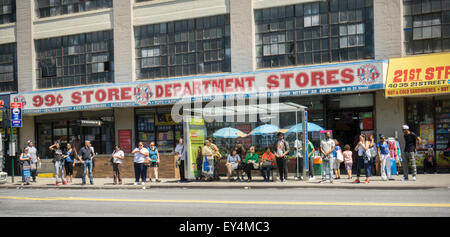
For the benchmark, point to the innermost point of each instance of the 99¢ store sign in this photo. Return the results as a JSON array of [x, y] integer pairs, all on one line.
[[351, 77]]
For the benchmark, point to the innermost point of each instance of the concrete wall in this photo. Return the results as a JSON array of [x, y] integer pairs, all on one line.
[[28, 133], [25, 46], [8, 33], [390, 115], [243, 51], [72, 24], [171, 10], [388, 20], [124, 45], [124, 120]]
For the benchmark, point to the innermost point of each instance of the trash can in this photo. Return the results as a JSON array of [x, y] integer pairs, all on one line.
[[317, 166]]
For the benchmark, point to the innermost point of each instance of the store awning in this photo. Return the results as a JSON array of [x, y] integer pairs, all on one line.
[[419, 75], [261, 109]]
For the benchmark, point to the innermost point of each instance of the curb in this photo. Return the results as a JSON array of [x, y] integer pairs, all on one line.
[[111, 187]]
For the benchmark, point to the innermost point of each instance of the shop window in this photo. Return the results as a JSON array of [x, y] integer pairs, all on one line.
[[75, 128], [314, 33], [180, 48], [7, 11], [442, 108], [8, 68], [157, 126], [426, 26], [49, 8], [75, 60]]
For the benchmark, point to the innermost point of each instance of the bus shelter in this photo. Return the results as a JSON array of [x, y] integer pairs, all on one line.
[[195, 121]]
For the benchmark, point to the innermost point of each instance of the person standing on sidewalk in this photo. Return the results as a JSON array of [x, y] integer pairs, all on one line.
[[117, 156], [385, 158], [87, 154], [327, 147], [363, 158], [69, 162], [281, 151], [32, 151], [208, 161], [311, 151], [58, 161], [348, 160], [411, 142], [179, 151], [154, 156], [336, 163], [25, 158], [140, 170]]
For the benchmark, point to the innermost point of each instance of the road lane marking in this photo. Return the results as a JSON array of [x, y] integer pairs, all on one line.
[[231, 202]]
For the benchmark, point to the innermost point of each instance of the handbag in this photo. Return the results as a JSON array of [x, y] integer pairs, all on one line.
[[266, 164], [339, 156]]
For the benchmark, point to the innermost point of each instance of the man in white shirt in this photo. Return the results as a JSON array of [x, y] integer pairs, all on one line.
[[327, 148]]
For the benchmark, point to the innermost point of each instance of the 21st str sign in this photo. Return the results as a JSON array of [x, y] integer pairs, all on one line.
[[312, 80]]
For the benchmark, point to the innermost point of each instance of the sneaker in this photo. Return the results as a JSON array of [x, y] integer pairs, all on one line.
[[135, 183], [404, 179], [158, 181], [64, 183], [83, 183], [312, 178], [366, 181], [391, 179], [284, 181], [414, 178], [92, 183], [142, 183], [57, 184], [356, 181]]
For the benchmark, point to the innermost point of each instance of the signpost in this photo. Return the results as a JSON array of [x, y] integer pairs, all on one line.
[[16, 122]]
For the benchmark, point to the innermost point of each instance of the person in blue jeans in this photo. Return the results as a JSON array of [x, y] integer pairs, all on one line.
[[86, 155]]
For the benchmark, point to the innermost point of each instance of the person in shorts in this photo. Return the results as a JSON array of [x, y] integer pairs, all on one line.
[[154, 156], [348, 160]]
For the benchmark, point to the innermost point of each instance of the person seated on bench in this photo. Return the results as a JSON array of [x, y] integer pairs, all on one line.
[[267, 163], [251, 162], [232, 164]]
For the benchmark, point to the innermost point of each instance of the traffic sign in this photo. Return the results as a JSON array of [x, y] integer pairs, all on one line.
[[16, 115]]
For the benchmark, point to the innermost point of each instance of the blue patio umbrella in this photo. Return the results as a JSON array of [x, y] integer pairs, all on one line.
[[265, 129], [228, 133], [312, 127]]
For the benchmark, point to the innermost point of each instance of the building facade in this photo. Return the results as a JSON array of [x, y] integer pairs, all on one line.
[[109, 71]]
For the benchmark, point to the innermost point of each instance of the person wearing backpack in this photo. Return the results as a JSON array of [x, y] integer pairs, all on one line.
[[281, 151]]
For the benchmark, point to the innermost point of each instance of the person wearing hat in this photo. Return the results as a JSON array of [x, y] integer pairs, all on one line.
[[385, 159], [411, 143], [32, 151]]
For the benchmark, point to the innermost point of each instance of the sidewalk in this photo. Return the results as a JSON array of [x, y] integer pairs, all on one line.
[[424, 181]]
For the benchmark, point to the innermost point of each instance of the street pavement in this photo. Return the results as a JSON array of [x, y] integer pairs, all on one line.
[[424, 181], [272, 202]]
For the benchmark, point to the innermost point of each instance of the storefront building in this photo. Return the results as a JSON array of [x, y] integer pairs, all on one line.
[[114, 78], [425, 83]]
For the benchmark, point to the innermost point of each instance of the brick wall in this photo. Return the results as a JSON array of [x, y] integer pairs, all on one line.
[[103, 167]]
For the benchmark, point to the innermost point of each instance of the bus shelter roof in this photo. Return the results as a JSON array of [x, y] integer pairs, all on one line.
[[268, 109]]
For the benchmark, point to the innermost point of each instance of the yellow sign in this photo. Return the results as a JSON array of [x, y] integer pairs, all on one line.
[[420, 75]]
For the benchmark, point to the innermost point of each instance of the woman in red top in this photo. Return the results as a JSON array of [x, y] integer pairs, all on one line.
[[267, 162]]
